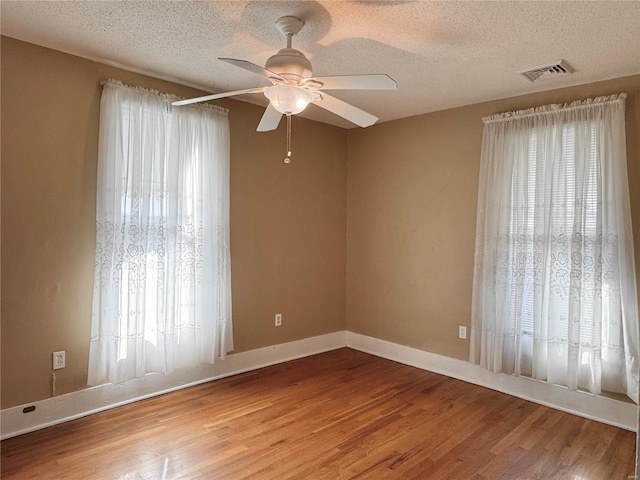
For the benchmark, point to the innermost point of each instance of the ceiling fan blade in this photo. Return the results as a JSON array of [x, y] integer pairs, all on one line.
[[356, 82], [252, 67], [217, 95], [345, 110], [270, 119]]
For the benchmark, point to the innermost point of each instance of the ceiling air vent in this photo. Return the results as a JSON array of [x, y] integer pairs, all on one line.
[[556, 69]]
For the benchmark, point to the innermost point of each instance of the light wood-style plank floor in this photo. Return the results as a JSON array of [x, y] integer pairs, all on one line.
[[338, 415]]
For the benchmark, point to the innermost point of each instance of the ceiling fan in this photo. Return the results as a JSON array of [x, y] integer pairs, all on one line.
[[293, 87]]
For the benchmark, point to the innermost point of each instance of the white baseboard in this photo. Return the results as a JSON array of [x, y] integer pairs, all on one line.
[[78, 404], [62, 408], [602, 409]]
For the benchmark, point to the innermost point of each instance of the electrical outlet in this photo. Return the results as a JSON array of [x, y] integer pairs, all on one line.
[[462, 332], [278, 319], [58, 360]]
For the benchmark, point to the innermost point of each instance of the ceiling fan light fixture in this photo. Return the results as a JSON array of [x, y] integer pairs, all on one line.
[[294, 88], [288, 99]]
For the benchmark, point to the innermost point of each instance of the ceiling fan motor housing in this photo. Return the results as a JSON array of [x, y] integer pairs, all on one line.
[[290, 64]]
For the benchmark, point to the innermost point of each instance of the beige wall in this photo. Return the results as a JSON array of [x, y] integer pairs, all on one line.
[[411, 210], [408, 219], [287, 221]]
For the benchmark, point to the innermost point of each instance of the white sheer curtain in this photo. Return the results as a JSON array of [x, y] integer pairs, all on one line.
[[162, 286], [554, 287]]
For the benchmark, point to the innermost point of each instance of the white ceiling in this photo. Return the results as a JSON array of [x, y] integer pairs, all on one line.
[[442, 54]]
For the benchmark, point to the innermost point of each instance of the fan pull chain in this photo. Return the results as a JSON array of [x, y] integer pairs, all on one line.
[[287, 159]]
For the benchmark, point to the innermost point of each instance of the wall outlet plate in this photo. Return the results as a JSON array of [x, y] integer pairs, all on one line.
[[462, 332], [59, 360], [278, 319]]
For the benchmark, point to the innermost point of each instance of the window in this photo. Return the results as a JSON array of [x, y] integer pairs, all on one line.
[[554, 283], [564, 208], [162, 293]]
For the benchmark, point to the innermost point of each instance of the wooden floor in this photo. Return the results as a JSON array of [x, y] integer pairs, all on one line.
[[338, 415]]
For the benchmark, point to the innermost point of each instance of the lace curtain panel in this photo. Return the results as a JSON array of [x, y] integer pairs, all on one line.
[[162, 286], [554, 286]]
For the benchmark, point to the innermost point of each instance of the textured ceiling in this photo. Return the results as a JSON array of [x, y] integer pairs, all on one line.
[[442, 54]]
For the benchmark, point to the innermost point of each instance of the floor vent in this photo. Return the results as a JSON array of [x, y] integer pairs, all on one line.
[[556, 69]]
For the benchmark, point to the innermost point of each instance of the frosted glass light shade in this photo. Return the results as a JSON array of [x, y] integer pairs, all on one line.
[[288, 99]]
